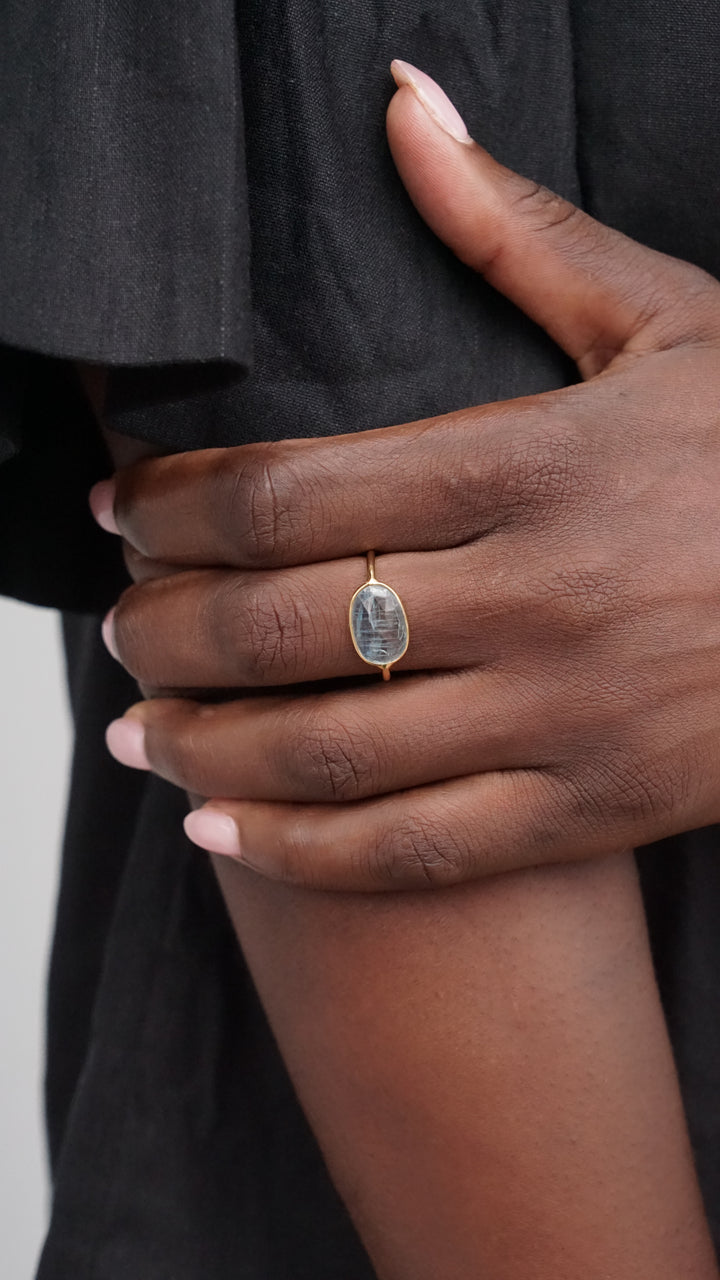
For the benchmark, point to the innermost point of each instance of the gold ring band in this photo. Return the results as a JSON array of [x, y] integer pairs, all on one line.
[[378, 622]]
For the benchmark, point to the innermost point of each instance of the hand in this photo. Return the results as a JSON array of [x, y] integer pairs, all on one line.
[[558, 557]]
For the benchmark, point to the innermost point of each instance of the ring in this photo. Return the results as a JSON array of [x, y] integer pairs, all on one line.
[[378, 622]]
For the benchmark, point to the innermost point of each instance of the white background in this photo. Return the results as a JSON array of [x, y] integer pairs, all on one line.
[[34, 762]]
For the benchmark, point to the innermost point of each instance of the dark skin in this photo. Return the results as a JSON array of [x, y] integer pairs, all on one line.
[[486, 1067], [558, 557]]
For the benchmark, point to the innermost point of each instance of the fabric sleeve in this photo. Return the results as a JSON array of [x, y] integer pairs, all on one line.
[[124, 241], [123, 208]]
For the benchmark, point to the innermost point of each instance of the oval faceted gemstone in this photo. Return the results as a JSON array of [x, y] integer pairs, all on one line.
[[378, 624]]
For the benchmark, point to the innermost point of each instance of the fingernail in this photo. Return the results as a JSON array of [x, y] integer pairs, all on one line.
[[433, 98], [125, 740], [213, 831], [108, 635], [102, 505]]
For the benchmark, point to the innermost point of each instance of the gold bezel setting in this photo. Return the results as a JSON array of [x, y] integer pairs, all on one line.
[[373, 580]]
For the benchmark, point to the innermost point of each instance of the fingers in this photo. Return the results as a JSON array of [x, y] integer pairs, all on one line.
[[422, 486], [220, 629], [440, 482], [595, 291], [430, 837], [261, 506], [141, 569], [339, 746], [330, 752], [492, 602]]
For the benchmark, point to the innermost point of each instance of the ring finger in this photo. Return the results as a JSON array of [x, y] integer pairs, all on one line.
[[217, 628]]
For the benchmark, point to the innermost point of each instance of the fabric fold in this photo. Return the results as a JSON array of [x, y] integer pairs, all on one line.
[[105, 109]]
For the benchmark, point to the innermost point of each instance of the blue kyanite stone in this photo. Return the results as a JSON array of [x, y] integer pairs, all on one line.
[[378, 624]]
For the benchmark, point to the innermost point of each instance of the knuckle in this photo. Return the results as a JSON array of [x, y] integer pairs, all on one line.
[[334, 761], [259, 501], [655, 794], [702, 298], [547, 467], [545, 209], [620, 792], [576, 600], [419, 853], [268, 628], [685, 307], [581, 239]]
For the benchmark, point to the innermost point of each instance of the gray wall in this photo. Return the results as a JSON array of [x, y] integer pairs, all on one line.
[[34, 753]]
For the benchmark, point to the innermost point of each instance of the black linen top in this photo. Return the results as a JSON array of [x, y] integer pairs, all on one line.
[[201, 197]]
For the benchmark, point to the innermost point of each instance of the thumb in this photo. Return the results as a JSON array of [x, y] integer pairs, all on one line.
[[595, 291]]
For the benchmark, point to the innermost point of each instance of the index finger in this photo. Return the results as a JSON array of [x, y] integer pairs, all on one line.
[[425, 485]]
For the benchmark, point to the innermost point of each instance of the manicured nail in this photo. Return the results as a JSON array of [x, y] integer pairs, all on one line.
[[108, 635], [102, 505], [213, 831], [126, 742], [435, 101]]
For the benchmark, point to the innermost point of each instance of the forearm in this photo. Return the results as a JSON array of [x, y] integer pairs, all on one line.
[[487, 1071]]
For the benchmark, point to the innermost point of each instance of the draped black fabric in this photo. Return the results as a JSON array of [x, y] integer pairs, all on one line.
[[121, 153], [315, 304]]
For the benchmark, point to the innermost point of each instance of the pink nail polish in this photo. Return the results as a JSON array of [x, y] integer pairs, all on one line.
[[213, 831], [433, 98], [108, 635], [125, 740], [102, 504]]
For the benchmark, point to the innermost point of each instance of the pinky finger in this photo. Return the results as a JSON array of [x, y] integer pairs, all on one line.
[[428, 837]]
